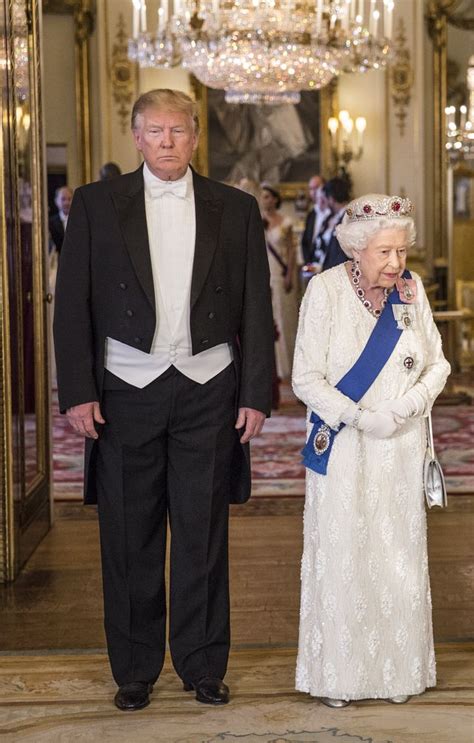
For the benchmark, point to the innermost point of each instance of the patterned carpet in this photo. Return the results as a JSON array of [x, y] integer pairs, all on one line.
[[67, 698], [276, 466]]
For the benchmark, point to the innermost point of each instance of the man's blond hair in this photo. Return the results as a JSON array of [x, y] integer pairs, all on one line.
[[166, 100]]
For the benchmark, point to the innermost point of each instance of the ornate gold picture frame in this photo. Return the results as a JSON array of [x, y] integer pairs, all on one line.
[[317, 149]]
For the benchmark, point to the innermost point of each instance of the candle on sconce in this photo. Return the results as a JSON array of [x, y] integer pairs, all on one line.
[[446, 115], [319, 16], [165, 12], [143, 17], [462, 122], [360, 124], [353, 9], [216, 9], [375, 22], [136, 18], [347, 129], [360, 10], [388, 18], [346, 16], [333, 126], [161, 24], [371, 15]]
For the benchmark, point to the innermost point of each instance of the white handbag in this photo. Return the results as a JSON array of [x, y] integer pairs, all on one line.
[[433, 478]]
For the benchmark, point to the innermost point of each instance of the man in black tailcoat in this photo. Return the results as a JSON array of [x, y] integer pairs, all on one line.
[[58, 222], [337, 191], [164, 347]]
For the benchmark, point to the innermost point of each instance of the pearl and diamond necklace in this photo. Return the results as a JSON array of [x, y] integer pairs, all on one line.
[[356, 274]]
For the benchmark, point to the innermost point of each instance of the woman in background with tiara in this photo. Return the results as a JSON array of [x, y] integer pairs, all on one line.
[[281, 251], [365, 621]]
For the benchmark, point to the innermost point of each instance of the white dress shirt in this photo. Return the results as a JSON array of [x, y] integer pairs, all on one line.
[[320, 217], [171, 223], [63, 217]]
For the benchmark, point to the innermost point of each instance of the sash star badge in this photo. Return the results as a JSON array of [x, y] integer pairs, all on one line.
[[404, 315]]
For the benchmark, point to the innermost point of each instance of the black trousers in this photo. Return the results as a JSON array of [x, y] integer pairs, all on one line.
[[165, 452]]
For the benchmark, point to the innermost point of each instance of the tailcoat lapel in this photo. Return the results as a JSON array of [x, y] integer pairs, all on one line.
[[208, 220], [128, 194]]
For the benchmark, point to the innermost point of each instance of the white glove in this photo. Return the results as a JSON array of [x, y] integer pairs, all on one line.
[[380, 425], [411, 403]]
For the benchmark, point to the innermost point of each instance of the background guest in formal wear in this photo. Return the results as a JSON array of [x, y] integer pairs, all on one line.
[[365, 621], [108, 171], [315, 218], [164, 346], [337, 194], [58, 222], [281, 249]]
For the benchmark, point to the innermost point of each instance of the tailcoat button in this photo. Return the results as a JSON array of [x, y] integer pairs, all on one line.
[[211, 315], [219, 290], [137, 339], [204, 341], [122, 285], [129, 313]]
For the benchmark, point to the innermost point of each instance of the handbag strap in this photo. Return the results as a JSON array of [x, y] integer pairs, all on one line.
[[429, 430]]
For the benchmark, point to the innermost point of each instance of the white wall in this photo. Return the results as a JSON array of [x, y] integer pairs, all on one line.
[[59, 102], [363, 94]]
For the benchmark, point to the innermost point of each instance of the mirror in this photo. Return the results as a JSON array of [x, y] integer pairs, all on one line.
[[26, 234]]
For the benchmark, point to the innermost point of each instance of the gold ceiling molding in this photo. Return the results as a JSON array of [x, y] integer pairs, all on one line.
[[401, 77], [122, 75]]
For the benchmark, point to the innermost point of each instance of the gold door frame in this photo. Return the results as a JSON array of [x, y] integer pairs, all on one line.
[[24, 506], [440, 13]]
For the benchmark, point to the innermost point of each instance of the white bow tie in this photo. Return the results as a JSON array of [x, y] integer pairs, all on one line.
[[156, 189]]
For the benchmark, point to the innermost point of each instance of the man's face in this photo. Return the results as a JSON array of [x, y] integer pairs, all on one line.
[[166, 140], [313, 185], [63, 200]]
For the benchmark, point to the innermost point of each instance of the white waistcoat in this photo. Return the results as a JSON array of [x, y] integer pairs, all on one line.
[[171, 223]]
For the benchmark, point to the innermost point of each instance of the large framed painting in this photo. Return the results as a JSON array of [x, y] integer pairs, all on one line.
[[283, 145]]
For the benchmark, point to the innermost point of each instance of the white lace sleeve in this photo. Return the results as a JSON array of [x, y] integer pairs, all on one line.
[[436, 371], [311, 352]]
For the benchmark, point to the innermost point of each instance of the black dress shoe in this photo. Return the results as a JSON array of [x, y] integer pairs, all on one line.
[[135, 695], [209, 690]]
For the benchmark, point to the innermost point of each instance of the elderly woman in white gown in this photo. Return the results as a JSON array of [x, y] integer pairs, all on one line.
[[365, 621]]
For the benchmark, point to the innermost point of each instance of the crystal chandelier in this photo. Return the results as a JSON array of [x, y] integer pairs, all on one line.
[[264, 51], [460, 126]]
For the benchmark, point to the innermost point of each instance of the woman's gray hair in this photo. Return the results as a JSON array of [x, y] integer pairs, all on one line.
[[356, 235]]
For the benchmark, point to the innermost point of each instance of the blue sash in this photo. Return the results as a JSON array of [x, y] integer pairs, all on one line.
[[355, 382]]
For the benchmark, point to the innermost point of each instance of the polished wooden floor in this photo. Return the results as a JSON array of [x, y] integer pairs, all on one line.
[[56, 602], [55, 683]]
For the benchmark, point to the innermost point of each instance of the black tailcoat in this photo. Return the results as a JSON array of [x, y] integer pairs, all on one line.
[[105, 288], [56, 229], [307, 246]]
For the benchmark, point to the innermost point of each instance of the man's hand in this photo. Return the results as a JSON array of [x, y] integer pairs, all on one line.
[[82, 417], [253, 421]]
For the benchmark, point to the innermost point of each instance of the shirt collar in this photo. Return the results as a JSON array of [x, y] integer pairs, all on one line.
[[149, 177]]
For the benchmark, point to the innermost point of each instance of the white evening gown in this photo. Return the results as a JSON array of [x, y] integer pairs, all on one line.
[[285, 304], [365, 620]]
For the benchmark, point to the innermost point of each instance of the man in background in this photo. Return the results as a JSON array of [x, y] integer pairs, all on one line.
[[58, 222], [109, 170], [338, 195], [315, 218]]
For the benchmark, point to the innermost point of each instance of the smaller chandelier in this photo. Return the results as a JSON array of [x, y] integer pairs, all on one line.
[[264, 51]]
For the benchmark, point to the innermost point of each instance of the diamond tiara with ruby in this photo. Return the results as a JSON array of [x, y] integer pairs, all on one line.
[[374, 206]]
